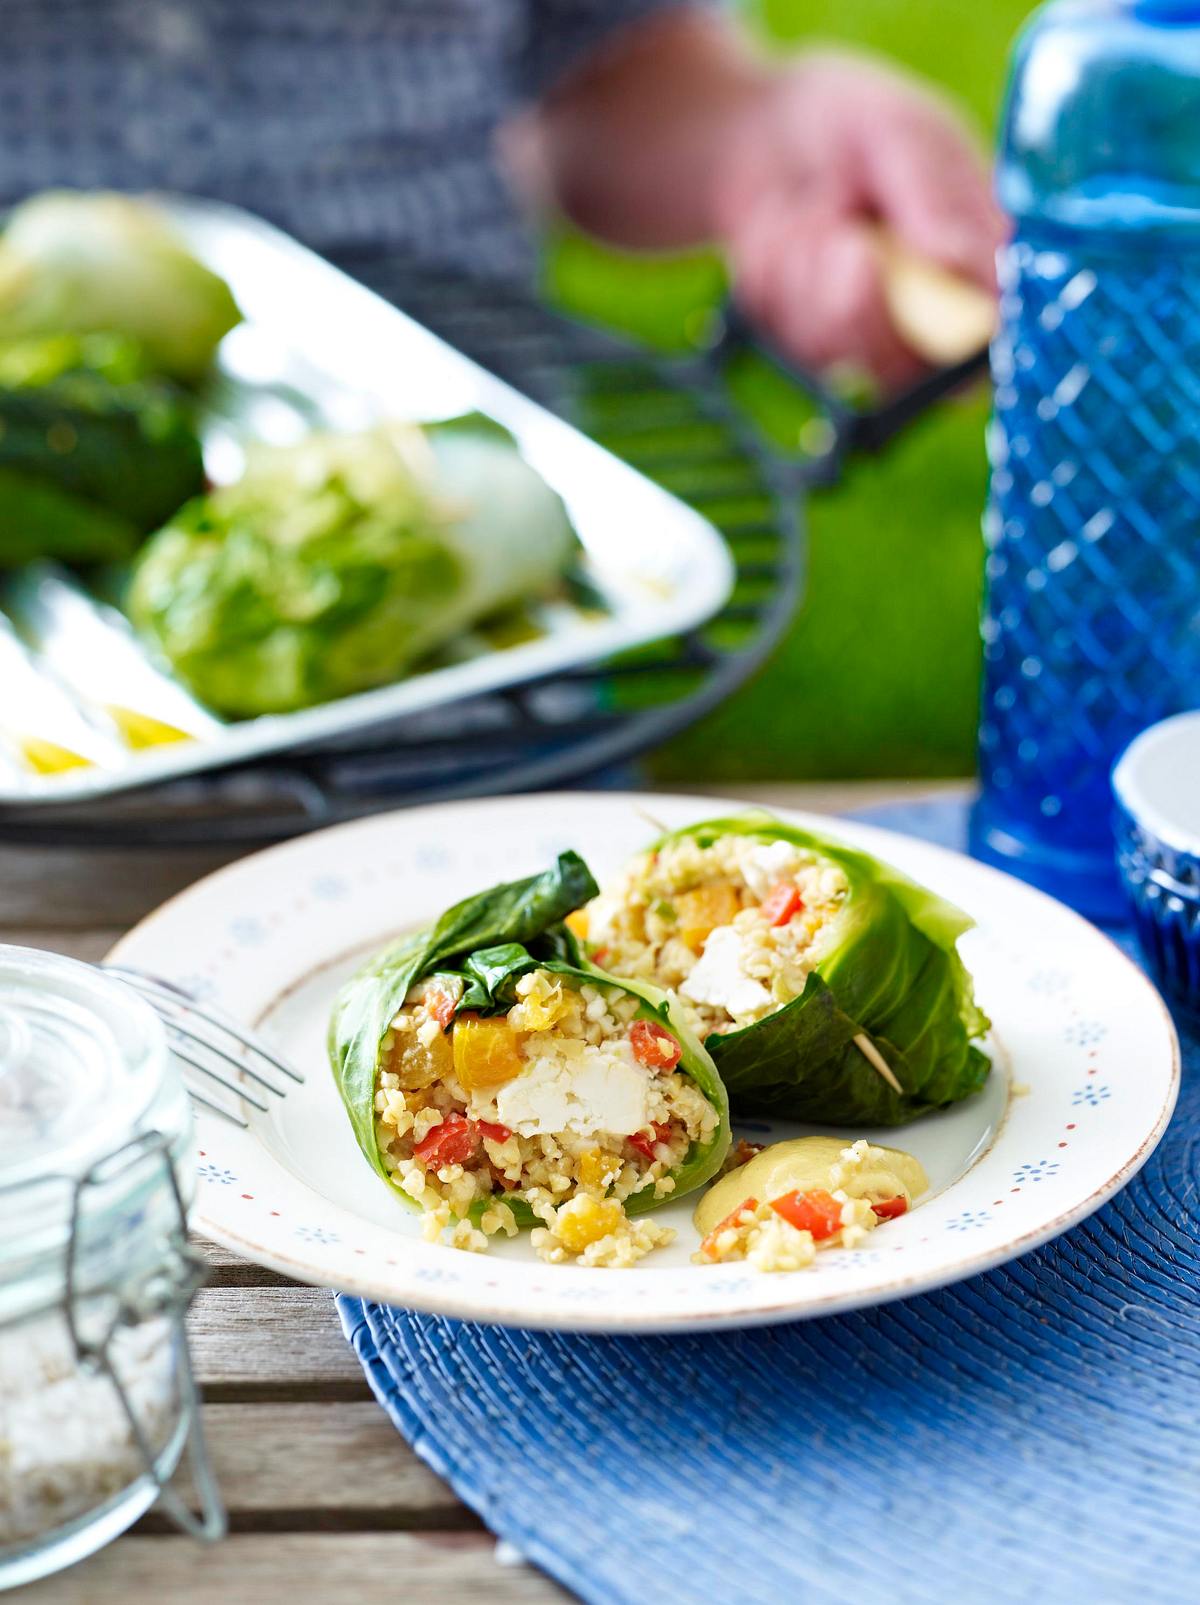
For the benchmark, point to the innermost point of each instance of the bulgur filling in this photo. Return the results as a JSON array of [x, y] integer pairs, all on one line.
[[571, 1099], [787, 1232], [734, 927]]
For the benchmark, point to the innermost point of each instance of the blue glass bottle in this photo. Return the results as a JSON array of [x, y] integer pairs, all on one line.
[[1092, 621]]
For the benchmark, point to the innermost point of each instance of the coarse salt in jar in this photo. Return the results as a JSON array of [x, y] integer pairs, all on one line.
[[97, 1398]]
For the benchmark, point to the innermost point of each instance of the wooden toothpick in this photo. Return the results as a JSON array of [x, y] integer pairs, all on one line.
[[877, 1061], [644, 813]]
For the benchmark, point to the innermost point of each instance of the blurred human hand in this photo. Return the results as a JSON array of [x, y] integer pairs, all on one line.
[[833, 149], [831, 181]]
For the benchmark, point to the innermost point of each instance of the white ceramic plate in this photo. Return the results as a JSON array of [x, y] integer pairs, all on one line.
[[1086, 1073]]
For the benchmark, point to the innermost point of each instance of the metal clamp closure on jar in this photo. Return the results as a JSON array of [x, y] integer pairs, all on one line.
[[166, 1289], [98, 1399]]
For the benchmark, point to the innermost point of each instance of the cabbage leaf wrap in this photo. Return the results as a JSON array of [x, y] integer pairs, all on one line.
[[335, 565], [890, 973], [488, 942]]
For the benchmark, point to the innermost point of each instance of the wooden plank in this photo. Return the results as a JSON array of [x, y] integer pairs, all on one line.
[[219, 1258], [70, 888], [319, 1468], [226, 1269], [235, 1272], [301, 1568], [88, 945], [271, 1343]]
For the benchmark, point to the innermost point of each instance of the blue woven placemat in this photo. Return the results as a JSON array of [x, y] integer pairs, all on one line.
[[1029, 1435]]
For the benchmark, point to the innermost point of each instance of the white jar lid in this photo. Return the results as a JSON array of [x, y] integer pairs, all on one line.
[[84, 1072], [1157, 782]]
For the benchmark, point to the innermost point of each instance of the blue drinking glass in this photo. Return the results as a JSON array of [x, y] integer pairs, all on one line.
[[1091, 625]]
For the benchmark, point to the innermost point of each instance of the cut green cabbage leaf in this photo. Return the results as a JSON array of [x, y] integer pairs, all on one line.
[[77, 262], [335, 565], [488, 942], [890, 973]]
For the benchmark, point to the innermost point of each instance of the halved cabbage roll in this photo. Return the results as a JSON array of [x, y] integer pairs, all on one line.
[[826, 984], [497, 1080]]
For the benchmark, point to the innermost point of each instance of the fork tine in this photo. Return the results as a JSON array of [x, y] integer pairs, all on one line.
[[248, 1042], [230, 1086], [180, 1033], [217, 1108], [166, 992]]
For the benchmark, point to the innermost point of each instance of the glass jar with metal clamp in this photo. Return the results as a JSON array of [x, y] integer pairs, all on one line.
[[97, 1396]]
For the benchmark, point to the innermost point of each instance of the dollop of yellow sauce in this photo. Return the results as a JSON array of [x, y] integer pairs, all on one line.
[[805, 1164]]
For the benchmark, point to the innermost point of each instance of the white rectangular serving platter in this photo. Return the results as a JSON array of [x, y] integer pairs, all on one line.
[[318, 349]]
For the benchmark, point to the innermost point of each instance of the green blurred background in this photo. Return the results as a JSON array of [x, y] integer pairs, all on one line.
[[879, 673]]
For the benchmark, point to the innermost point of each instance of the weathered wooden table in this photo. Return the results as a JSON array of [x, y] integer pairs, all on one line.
[[326, 1501]]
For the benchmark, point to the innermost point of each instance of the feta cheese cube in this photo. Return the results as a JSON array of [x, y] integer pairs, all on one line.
[[597, 1090], [767, 864], [719, 980]]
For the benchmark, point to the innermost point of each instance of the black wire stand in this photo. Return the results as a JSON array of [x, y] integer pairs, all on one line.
[[671, 416]]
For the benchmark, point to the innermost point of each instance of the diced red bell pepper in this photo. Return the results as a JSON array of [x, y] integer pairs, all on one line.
[[815, 1211], [451, 1143], [654, 1046], [441, 1005], [599, 956], [782, 904], [492, 1131], [743, 1151], [709, 1246], [648, 1145], [891, 1208]]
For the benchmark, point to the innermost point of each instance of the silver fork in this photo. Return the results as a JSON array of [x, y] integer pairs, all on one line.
[[212, 1046]]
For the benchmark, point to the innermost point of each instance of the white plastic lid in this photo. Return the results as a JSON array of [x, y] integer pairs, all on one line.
[[84, 1072], [1157, 782]]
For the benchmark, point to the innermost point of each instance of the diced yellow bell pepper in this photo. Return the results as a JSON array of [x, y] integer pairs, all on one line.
[[596, 1168], [543, 1004], [486, 1052], [699, 912], [578, 923], [586, 1220]]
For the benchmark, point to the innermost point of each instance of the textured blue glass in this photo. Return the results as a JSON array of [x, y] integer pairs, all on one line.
[[1092, 621]]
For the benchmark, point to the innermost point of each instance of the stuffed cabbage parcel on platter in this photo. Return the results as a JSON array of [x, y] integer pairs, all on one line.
[[83, 263], [497, 1079], [827, 985], [335, 565], [96, 450]]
